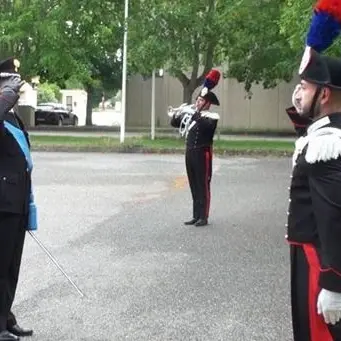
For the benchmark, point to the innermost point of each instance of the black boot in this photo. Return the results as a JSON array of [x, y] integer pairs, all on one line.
[[18, 331], [191, 222], [201, 222], [5, 335]]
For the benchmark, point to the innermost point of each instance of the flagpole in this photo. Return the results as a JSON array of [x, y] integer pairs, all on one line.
[[124, 76]]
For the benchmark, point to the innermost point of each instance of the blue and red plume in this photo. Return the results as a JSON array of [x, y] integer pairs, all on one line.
[[325, 25], [211, 79]]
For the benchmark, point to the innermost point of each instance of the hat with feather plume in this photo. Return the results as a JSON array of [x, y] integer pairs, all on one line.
[[211, 81]]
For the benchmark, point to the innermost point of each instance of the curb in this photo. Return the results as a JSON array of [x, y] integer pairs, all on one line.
[[143, 150]]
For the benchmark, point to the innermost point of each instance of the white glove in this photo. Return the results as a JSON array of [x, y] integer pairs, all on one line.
[[295, 101], [329, 305], [175, 111]]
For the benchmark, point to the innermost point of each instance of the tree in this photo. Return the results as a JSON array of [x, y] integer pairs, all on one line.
[[48, 93], [31, 30], [268, 40], [94, 35], [61, 39], [257, 50], [261, 41], [294, 24], [183, 37]]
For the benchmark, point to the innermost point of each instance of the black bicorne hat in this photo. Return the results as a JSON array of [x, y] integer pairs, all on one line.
[[313, 68], [321, 70], [9, 65], [210, 97]]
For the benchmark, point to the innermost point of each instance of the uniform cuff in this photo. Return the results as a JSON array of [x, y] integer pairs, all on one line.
[[330, 280]]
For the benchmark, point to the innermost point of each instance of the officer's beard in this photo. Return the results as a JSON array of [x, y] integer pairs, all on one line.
[[313, 111]]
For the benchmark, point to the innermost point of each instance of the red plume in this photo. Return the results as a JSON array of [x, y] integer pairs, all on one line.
[[332, 7], [212, 79]]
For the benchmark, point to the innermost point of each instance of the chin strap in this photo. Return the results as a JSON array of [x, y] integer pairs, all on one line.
[[313, 103]]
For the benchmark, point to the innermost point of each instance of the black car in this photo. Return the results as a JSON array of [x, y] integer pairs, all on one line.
[[54, 114]]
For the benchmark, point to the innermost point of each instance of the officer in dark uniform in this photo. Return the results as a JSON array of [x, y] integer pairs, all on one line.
[[200, 131], [314, 215], [15, 191]]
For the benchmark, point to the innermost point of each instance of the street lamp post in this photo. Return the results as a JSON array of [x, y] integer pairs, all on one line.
[[153, 107], [124, 73]]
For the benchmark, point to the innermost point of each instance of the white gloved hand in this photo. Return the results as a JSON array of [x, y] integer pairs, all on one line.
[[329, 305], [295, 101]]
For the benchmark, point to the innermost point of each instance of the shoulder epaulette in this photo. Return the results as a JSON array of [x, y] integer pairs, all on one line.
[[212, 115], [324, 146]]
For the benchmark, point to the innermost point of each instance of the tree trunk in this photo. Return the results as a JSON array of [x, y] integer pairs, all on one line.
[[89, 89], [187, 94]]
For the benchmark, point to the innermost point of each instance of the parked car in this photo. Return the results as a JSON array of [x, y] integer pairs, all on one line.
[[54, 114]]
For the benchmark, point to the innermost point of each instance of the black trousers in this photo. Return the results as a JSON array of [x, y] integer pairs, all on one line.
[[12, 236], [307, 324], [11, 319], [199, 173]]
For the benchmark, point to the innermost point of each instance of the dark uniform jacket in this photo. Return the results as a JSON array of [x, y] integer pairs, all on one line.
[[314, 214], [201, 129], [15, 178]]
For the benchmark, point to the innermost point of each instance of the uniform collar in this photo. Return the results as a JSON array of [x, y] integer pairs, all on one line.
[[321, 122], [333, 119]]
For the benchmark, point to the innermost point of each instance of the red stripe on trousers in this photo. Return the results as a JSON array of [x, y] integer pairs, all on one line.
[[318, 328], [207, 169]]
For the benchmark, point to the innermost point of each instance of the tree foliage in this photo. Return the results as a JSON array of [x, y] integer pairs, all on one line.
[[294, 24], [48, 93], [183, 37], [76, 42], [60, 39], [257, 50]]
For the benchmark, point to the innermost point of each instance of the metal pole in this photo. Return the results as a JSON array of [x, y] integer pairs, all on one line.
[[153, 106], [124, 76], [55, 262]]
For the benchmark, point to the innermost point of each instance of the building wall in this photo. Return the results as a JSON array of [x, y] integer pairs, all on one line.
[[264, 111], [78, 103]]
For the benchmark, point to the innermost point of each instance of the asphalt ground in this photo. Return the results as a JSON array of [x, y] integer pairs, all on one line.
[[115, 224]]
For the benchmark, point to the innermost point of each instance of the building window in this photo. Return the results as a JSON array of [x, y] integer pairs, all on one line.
[[69, 102]]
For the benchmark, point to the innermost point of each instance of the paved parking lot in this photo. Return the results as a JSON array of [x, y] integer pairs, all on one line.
[[114, 222]]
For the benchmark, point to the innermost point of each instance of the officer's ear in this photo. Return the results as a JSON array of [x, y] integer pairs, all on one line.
[[326, 95]]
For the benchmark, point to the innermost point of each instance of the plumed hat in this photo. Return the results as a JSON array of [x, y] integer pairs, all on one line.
[[211, 80], [322, 70], [324, 28], [325, 25]]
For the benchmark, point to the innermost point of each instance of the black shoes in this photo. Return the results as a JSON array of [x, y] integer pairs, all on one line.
[[197, 222], [5, 335], [201, 222], [18, 331], [191, 222]]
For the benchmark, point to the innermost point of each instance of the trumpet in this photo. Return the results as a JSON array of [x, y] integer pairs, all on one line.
[[185, 109]]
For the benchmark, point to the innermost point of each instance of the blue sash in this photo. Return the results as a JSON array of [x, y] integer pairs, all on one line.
[[20, 137]]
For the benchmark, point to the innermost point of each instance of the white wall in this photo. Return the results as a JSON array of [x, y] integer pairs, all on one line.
[[28, 96], [264, 111], [79, 101]]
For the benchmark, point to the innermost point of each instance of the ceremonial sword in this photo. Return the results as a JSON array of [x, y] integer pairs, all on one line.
[[55, 262]]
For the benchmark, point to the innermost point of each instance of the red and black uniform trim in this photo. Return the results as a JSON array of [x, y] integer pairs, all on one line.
[[314, 235]]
